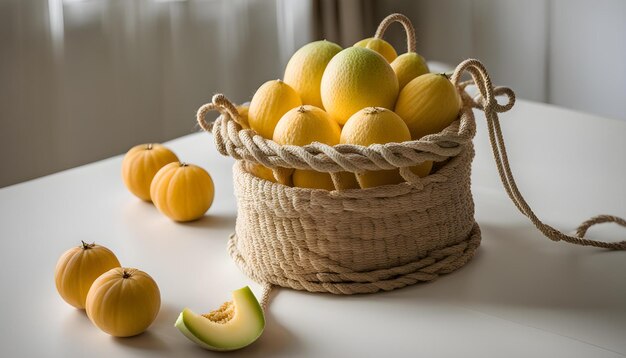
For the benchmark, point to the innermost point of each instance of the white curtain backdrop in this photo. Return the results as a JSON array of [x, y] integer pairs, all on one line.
[[85, 80], [571, 53], [82, 80]]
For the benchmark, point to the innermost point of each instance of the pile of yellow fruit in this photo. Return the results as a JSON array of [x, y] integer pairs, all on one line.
[[365, 94]]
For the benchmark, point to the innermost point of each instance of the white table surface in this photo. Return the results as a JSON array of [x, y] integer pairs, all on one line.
[[521, 296]]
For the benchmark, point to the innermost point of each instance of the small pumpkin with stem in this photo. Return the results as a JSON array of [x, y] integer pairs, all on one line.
[[123, 302], [182, 191], [78, 268], [141, 163]]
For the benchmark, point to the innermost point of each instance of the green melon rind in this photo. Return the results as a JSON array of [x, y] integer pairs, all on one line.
[[180, 324], [243, 296]]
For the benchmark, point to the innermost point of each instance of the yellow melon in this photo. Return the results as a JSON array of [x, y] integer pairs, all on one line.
[[259, 171], [305, 68], [428, 104], [312, 179], [302, 126], [379, 45], [357, 78], [409, 66], [374, 125], [269, 103]]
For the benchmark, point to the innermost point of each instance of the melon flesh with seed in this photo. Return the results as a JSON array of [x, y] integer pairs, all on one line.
[[236, 324]]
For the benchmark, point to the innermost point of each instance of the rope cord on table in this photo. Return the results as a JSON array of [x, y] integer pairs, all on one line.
[[488, 103], [265, 296]]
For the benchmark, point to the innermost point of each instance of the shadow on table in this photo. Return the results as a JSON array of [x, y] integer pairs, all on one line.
[[150, 340], [275, 340], [213, 221], [147, 341], [167, 316], [515, 266], [137, 213]]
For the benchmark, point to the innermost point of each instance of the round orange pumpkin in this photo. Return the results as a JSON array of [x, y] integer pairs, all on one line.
[[182, 191], [123, 302], [78, 268], [141, 163]]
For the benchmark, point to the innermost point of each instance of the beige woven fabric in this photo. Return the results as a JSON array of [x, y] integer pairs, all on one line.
[[355, 241]]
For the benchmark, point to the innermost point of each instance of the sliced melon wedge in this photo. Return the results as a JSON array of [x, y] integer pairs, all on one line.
[[234, 325]]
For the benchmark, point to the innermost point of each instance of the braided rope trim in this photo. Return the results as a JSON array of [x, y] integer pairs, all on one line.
[[449, 171], [246, 144], [231, 139], [435, 264]]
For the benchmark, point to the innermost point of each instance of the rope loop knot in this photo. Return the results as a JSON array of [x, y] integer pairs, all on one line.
[[486, 101]]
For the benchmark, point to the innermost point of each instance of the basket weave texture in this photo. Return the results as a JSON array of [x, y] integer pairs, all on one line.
[[355, 241]]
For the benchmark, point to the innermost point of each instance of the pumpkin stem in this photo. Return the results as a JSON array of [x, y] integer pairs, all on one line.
[[183, 164], [125, 274], [445, 74], [86, 246], [149, 146]]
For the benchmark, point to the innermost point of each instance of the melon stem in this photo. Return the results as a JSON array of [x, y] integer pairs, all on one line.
[[372, 110]]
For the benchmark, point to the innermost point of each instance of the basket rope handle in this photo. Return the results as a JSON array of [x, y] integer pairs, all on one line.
[[487, 102], [411, 43], [219, 103]]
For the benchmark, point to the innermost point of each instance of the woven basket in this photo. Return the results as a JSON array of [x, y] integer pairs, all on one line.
[[354, 240], [349, 241]]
